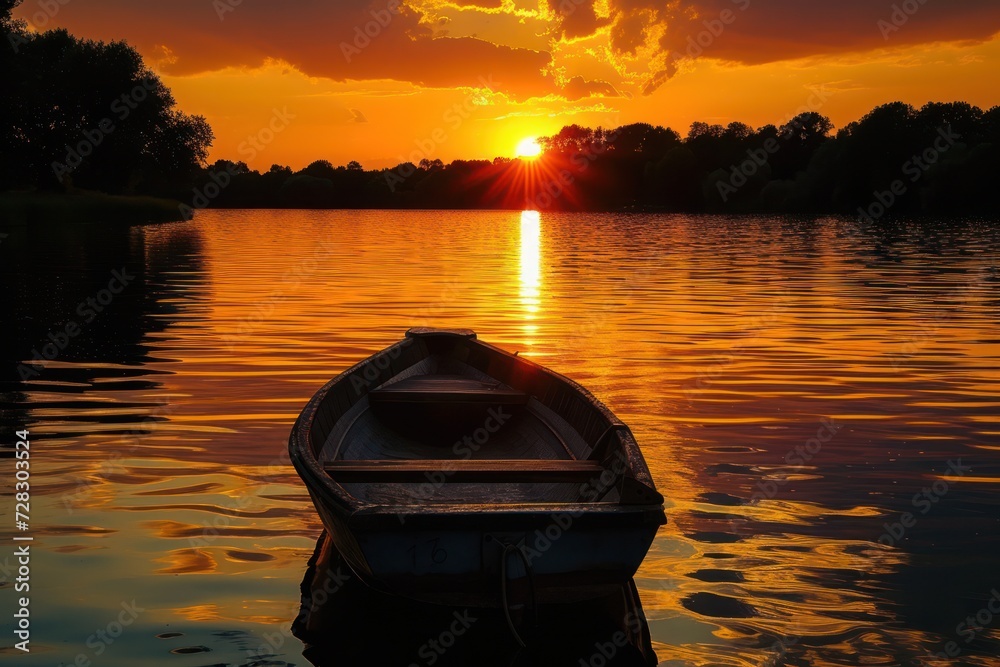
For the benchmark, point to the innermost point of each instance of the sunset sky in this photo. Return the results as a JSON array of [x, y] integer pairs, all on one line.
[[473, 78]]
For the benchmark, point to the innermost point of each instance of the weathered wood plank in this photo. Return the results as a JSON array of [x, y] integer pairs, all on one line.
[[461, 470], [447, 389]]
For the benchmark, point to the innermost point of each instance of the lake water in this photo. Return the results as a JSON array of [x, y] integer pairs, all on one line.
[[799, 388]]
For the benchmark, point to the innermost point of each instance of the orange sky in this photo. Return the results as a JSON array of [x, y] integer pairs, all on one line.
[[472, 78]]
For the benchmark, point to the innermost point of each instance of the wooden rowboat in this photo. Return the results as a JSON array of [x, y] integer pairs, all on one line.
[[445, 468]]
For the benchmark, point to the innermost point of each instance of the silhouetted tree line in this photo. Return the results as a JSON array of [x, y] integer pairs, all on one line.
[[83, 114], [941, 158]]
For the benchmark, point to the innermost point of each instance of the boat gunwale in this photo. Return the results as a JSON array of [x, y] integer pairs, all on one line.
[[600, 515], [304, 457]]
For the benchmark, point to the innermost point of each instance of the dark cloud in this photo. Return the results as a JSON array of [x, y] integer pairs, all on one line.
[[577, 18], [629, 31], [761, 31], [660, 77], [364, 40], [578, 87], [343, 40]]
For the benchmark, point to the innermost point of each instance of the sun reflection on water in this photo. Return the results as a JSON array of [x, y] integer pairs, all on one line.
[[531, 268]]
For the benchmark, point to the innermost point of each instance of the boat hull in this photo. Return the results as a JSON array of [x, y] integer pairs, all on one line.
[[457, 559], [502, 550]]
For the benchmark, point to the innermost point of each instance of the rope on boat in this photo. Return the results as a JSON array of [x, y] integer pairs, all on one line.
[[503, 589]]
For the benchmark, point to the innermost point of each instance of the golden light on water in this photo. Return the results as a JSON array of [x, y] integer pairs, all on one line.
[[703, 341], [531, 266]]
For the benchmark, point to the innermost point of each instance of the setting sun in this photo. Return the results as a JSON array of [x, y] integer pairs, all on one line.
[[529, 148]]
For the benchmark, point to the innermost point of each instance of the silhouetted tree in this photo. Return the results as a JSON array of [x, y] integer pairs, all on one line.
[[6, 10], [701, 130], [320, 169], [964, 119], [799, 138], [570, 139], [738, 131], [798, 167], [89, 114], [676, 180], [234, 168], [644, 138]]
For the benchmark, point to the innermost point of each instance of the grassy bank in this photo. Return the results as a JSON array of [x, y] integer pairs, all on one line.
[[36, 208]]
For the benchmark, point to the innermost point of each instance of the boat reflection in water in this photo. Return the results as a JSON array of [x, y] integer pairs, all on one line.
[[342, 621]]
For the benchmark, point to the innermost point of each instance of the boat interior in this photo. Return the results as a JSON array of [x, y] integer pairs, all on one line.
[[443, 431]]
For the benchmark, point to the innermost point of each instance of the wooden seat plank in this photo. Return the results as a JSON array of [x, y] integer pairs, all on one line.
[[447, 389], [463, 470]]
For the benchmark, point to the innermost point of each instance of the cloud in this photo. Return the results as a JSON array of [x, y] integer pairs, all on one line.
[[478, 4], [761, 31], [576, 18], [660, 77], [364, 40], [629, 31], [347, 40], [578, 87]]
